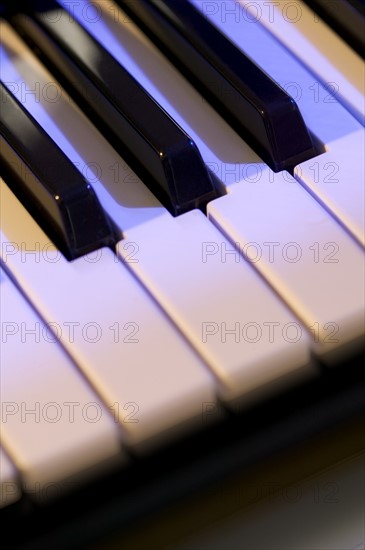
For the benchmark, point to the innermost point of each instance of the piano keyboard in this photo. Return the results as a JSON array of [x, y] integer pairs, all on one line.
[[197, 317]]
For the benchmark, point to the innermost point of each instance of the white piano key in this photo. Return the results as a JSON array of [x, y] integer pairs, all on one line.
[[126, 347], [305, 255], [53, 424], [9, 483], [337, 180], [335, 64], [242, 330]]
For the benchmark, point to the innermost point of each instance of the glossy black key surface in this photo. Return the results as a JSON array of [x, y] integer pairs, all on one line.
[[347, 17], [49, 185], [158, 150], [255, 106]]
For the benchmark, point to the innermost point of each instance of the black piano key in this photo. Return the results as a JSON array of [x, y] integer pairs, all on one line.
[[255, 106], [346, 17], [158, 150], [50, 187]]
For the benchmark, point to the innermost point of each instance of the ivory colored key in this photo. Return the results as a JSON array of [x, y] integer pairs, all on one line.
[[337, 180], [53, 424], [238, 325], [9, 483], [304, 254], [129, 351]]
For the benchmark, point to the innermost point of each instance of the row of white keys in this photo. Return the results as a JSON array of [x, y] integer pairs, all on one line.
[[335, 64], [148, 376], [248, 338], [166, 239], [221, 148], [295, 292], [305, 255], [53, 425], [9, 482]]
